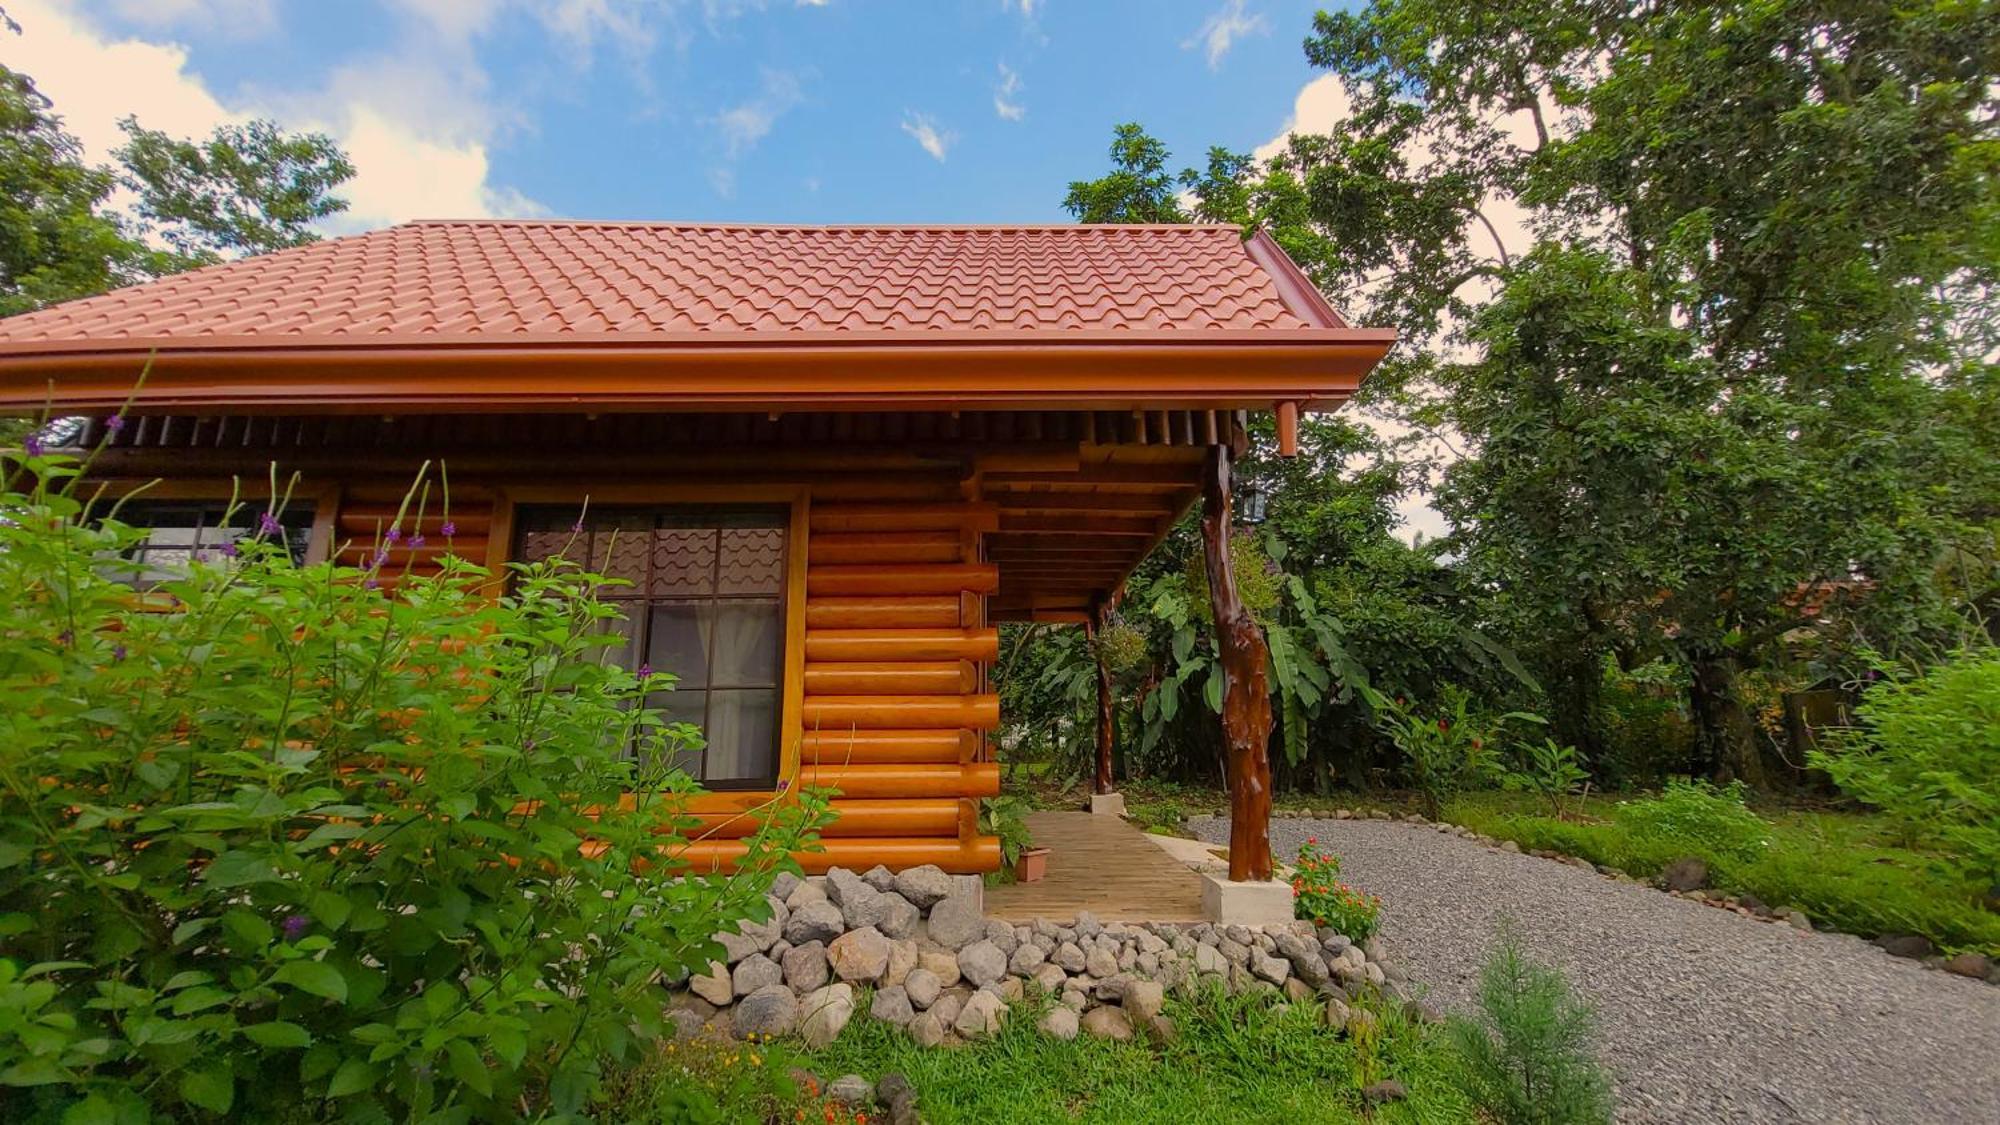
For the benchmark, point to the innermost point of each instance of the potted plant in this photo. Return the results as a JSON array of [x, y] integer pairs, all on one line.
[[1006, 817]]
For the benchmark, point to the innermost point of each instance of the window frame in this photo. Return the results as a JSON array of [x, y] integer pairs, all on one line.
[[503, 547], [255, 493]]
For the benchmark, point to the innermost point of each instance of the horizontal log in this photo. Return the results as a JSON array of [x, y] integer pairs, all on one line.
[[900, 781], [920, 612], [906, 712], [835, 645], [841, 549], [928, 816], [885, 747], [901, 579], [959, 857], [429, 555], [932, 677], [368, 520], [900, 517]]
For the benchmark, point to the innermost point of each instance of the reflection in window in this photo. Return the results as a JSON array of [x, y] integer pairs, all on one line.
[[180, 532], [706, 603]]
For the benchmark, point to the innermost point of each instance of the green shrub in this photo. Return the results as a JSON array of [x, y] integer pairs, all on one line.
[[1444, 753], [1928, 755], [1646, 729], [1549, 770], [1321, 898], [300, 848], [1698, 818], [1529, 1061], [1007, 818]]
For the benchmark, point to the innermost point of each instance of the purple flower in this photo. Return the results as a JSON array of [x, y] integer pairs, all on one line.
[[115, 423], [200, 554], [416, 541], [65, 637], [395, 535], [381, 556], [645, 671], [33, 445], [117, 652], [577, 527], [267, 524], [370, 584], [784, 783], [229, 549], [528, 745], [449, 529], [294, 925]]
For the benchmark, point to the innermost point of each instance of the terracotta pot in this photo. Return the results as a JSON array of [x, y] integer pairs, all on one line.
[[1032, 865]]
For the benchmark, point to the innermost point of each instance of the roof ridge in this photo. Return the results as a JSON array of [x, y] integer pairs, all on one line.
[[697, 224]]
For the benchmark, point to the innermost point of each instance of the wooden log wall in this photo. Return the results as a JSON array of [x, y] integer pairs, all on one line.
[[895, 701]]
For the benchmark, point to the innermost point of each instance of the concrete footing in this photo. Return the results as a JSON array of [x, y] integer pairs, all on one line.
[[1225, 901], [1107, 804]]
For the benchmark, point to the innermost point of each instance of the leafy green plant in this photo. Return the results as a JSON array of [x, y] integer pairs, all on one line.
[[1007, 818], [1928, 755], [1549, 770], [299, 846], [1528, 1060], [1319, 896], [1694, 815], [1447, 752]]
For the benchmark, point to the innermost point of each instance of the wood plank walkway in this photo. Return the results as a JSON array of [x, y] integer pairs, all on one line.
[[1104, 865]]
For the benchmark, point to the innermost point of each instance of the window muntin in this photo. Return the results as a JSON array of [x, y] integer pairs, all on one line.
[[179, 532], [706, 603]]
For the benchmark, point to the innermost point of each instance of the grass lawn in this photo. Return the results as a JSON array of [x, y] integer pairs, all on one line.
[[1233, 1060], [1844, 869]]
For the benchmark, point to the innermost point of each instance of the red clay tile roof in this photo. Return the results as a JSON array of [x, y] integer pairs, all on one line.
[[502, 314], [485, 279]]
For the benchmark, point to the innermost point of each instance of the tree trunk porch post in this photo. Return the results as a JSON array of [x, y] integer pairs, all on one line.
[[1246, 691], [1094, 630]]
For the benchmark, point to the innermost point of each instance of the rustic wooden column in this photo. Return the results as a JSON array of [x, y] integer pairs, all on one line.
[[1106, 729], [1246, 687]]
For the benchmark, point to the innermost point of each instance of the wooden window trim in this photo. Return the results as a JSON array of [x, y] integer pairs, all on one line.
[[325, 499], [796, 498]]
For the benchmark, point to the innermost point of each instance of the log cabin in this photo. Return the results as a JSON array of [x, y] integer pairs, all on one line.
[[830, 460]]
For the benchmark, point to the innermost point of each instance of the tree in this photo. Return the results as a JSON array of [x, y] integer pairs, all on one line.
[[1139, 189], [247, 189], [56, 242], [1736, 373]]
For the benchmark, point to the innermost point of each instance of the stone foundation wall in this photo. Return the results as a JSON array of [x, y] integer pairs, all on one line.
[[941, 970]]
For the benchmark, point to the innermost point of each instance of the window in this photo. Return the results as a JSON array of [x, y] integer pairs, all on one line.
[[706, 603], [179, 531]]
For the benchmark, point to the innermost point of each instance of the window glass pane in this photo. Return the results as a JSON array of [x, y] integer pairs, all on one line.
[[179, 533], [748, 644], [753, 561], [683, 562], [742, 735], [680, 642], [682, 707], [621, 553], [625, 652]]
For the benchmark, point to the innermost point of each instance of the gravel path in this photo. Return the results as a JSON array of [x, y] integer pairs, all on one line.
[[1705, 1015]]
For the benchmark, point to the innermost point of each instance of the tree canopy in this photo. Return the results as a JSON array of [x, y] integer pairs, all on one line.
[[1733, 409]]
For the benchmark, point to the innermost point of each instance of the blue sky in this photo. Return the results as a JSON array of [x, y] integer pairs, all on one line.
[[781, 111]]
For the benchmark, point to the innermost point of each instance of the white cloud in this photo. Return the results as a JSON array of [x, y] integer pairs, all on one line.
[[238, 19], [1221, 31], [812, 3], [934, 141], [1003, 95], [745, 124], [418, 126]]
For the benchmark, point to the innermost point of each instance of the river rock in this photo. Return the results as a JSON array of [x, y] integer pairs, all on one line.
[[823, 1012], [859, 956]]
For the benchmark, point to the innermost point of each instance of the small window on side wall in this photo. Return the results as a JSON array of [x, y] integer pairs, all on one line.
[[706, 603], [177, 533]]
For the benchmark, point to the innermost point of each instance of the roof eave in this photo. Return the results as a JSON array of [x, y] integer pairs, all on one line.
[[903, 370]]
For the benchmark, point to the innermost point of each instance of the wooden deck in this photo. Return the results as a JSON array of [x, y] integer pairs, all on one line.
[[1104, 865]]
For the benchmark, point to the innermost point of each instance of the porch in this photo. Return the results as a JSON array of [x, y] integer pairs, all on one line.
[[1102, 864]]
